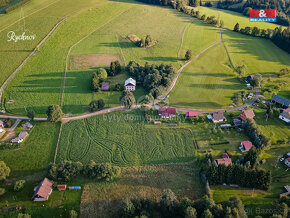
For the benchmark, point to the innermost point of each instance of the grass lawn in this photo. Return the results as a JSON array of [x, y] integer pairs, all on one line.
[[35, 152], [123, 139], [204, 85], [103, 199], [78, 92]]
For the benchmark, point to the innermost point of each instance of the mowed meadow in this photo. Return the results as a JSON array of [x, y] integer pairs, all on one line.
[[123, 139], [35, 18]]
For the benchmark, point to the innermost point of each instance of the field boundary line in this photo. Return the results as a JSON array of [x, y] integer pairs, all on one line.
[[28, 16], [86, 36], [124, 60], [57, 144], [182, 36]]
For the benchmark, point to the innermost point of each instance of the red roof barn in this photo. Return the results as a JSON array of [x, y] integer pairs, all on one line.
[[247, 114], [43, 190]]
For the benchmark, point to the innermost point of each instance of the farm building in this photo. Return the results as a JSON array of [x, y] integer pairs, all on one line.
[[20, 138], [191, 114], [246, 146], [105, 86], [130, 84], [249, 113], [225, 161], [283, 102], [42, 190], [285, 116], [167, 112], [218, 117], [287, 161], [2, 132]]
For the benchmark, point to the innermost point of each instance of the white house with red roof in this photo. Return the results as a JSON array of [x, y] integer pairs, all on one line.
[[167, 112], [247, 114], [246, 146], [226, 160]]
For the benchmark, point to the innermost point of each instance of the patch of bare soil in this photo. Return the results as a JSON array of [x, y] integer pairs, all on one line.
[[86, 61]]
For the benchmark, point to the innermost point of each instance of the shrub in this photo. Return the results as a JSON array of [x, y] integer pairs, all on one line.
[[19, 185], [54, 113], [96, 105], [188, 55], [4, 171], [73, 214], [2, 191]]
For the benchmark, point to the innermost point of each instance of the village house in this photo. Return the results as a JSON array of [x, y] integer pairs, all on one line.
[[42, 190], [285, 116], [287, 161], [191, 114], [218, 117], [246, 146], [105, 86], [167, 112], [280, 101], [249, 113], [130, 84], [225, 155], [226, 161], [20, 138]]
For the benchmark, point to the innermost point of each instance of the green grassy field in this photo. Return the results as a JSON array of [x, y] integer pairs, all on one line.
[[103, 199], [38, 19], [122, 138], [204, 85], [35, 152]]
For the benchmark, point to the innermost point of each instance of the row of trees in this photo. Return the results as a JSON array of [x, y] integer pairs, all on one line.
[[155, 78], [279, 36], [67, 170], [259, 139], [239, 174], [97, 78], [169, 206]]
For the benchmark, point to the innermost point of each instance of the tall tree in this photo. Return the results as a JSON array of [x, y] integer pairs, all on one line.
[[237, 27], [188, 55], [54, 113], [4, 171], [127, 99]]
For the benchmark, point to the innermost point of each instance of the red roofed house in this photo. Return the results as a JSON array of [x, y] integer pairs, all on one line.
[[287, 161], [167, 112], [43, 190], [225, 161], [105, 86], [225, 155], [286, 110], [191, 114], [247, 114], [246, 146]]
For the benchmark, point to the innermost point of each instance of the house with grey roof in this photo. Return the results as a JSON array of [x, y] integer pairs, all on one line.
[[283, 102]]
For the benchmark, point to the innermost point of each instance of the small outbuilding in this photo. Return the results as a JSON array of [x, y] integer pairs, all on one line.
[[167, 112], [61, 187], [246, 146], [105, 86], [20, 138]]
